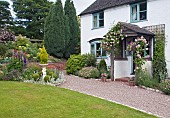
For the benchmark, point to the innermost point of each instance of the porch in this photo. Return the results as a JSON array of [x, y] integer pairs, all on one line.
[[124, 64]]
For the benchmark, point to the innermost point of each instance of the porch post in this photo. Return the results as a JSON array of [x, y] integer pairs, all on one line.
[[112, 64]]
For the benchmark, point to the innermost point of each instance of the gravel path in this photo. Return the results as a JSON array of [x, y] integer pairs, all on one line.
[[145, 100]]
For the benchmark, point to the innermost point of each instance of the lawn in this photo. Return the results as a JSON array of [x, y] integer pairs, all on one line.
[[25, 100]]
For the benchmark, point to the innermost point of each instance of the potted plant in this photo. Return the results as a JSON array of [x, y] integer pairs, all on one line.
[[103, 77], [43, 55], [132, 81]]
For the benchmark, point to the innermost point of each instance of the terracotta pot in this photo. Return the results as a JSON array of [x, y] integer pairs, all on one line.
[[131, 83], [103, 79]]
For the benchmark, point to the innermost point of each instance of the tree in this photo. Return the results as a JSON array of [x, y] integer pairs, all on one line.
[[54, 37], [111, 40], [70, 12], [67, 38], [31, 16], [5, 14]]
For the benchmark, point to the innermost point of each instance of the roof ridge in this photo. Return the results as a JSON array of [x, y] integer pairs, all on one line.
[[99, 5]]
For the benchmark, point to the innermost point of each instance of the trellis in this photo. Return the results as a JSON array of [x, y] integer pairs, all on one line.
[[156, 29]]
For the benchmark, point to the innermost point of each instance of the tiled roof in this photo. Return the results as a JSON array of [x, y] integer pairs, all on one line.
[[99, 5], [136, 29]]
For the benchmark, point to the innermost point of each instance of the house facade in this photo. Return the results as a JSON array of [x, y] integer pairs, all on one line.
[[140, 17]]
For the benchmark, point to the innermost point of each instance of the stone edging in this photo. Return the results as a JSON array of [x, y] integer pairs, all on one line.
[[150, 89]]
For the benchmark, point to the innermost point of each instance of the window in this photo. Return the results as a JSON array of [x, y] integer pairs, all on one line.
[[138, 12], [98, 20], [97, 50], [147, 51]]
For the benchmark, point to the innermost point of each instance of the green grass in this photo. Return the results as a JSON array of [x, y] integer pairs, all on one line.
[[25, 100]]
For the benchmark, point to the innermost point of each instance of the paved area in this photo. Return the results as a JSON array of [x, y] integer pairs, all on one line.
[[146, 100]]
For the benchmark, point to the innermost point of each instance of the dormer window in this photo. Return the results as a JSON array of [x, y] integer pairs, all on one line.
[[98, 20], [139, 12]]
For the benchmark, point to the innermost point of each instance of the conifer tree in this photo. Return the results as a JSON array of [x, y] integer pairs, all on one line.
[[55, 30], [5, 14], [67, 38], [30, 16], [70, 12]]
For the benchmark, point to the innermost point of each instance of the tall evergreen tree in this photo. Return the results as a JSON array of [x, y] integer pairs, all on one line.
[[5, 14], [70, 12], [54, 37], [67, 38], [31, 16]]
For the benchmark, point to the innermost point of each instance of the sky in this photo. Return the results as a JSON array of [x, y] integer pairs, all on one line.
[[80, 5]]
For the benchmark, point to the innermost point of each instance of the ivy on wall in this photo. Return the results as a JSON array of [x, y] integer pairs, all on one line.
[[159, 62]]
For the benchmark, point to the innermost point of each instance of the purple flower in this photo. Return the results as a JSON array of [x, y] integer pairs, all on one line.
[[16, 54], [25, 61]]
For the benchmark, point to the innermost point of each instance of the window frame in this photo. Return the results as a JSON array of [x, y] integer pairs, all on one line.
[[98, 20], [95, 50], [138, 12]]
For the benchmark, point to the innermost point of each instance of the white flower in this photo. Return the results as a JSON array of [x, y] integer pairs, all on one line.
[[142, 37], [121, 30], [139, 55]]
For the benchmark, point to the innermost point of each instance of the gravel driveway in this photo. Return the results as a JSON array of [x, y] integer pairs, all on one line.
[[145, 100]]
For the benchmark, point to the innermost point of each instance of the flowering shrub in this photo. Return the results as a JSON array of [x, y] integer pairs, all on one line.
[[26, 47], [6, 35], [139, 46], [165, 87], [113, 37], [111, 41], [89, 72]]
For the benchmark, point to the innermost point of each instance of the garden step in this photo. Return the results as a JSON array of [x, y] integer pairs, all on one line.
[[124, 79]]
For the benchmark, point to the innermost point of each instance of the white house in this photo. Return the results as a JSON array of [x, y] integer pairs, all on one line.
[[136, 16]]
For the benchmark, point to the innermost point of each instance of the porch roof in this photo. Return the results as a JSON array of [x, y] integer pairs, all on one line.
[[134, 30]]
